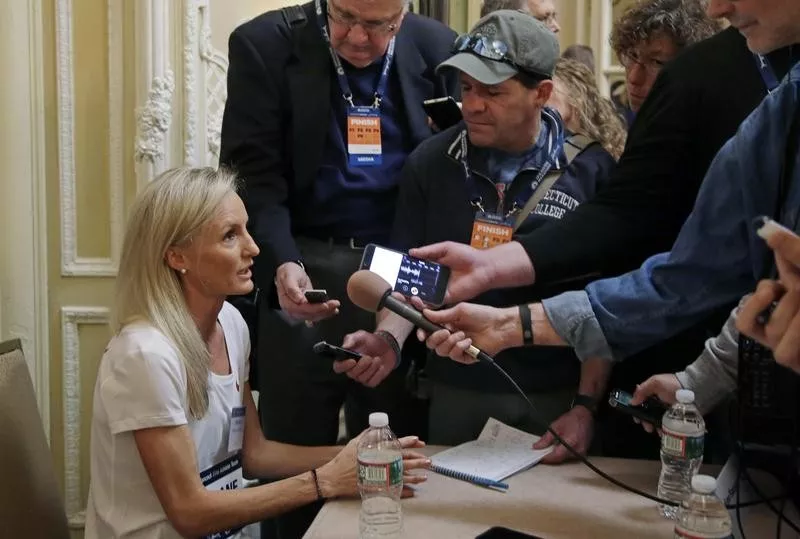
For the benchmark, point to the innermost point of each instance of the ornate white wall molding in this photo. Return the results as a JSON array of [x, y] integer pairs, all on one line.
[[71, 320], [71, 263], [157, 36], [204, 87], [191, 51], [153, 120], [215, 66], [180, 118]]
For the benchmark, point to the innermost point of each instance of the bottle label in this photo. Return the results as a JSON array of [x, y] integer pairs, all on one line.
[[373, 474], [681, 445], [681, 533]]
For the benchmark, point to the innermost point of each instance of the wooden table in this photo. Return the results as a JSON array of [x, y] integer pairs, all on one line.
[[568, 501]]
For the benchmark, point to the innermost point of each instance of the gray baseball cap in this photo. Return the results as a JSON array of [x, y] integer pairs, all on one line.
[[502, 44]]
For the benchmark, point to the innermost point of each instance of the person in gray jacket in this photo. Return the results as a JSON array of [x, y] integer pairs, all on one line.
[[712, 376]]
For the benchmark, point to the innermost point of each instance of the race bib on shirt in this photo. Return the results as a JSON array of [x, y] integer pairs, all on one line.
[[490, 230], [364, 136], [227, 475]]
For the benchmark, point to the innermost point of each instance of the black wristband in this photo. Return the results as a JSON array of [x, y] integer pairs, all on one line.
[[393, 344], [316, 485], [588, 402], [525, 319]]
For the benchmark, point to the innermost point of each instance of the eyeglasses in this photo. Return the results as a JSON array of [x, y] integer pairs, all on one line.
[[650, 65], [346, 20], [491, 49]]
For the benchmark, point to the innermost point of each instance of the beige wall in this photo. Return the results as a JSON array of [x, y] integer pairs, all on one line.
[[81, 71], [229, 14]]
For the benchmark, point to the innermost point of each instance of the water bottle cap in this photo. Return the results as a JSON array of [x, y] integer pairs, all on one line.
[[684, 396], [378, 419], [704, 484]]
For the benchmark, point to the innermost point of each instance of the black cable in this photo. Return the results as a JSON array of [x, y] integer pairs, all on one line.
[[488, 359], [779, 525], [772, 508], [740, 456]]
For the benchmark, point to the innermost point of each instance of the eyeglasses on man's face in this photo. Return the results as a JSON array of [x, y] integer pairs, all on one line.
[[344, 19], [649, 64]]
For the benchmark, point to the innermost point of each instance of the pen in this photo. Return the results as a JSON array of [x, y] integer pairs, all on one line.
[[483, 482]]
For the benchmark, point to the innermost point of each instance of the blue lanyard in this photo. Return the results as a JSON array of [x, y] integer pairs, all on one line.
[[767, 74], [344, 85], [555, 142]]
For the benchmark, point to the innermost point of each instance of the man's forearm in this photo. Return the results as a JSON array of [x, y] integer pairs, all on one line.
[[398, 326], [511, 266], [594, 377], [508, 327]]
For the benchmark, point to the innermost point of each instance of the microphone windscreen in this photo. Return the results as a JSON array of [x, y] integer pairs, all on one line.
[[366, 289]]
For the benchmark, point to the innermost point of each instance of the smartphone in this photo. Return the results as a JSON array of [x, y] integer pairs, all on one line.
[[651, 410], [498, 532], [408, 275], [337, 353], [443, 111], [316, 296]]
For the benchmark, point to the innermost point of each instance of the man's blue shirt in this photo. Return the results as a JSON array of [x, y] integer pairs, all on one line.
[[716, 259]]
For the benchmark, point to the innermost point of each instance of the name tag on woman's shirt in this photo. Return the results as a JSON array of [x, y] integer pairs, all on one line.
[[236, 434]]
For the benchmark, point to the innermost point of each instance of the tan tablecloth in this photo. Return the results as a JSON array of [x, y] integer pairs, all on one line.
[[556, 502]]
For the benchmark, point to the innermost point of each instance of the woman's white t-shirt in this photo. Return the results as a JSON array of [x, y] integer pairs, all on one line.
[[141, 383]]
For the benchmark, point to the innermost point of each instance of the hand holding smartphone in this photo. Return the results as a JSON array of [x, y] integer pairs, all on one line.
[[410, 276], [316, 295], [444, 112], [651, 410], [336, 353]]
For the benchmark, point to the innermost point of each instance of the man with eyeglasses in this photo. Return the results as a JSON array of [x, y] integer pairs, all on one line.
[[506, 167], [651, 33], [324, 105]]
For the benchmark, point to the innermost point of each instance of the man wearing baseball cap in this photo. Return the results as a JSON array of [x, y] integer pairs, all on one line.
[[508, 167]]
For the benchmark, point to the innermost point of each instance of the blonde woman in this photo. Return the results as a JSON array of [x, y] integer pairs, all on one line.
[[174, 426], [584, 111]]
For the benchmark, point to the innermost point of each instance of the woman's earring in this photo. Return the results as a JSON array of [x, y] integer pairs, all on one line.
[[183, 271]]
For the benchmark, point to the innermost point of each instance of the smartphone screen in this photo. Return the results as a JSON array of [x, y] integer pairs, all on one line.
[[408, 275]]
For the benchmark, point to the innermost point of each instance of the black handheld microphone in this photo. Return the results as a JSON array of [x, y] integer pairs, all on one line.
[[371, 292]]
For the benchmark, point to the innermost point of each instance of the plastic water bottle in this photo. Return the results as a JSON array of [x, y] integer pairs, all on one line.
[[703, 515], [380, 480], [683, 431]]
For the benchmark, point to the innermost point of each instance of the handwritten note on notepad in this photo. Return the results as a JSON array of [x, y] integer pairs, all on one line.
[[499, 452]]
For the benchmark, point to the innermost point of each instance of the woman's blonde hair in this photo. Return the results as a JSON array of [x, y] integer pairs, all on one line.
[[596, 115], [169, 212]]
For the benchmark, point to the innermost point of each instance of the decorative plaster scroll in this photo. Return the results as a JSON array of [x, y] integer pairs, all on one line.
[[71, 319], [154, 118]]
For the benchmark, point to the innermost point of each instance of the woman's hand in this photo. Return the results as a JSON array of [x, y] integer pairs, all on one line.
[[339, 477]]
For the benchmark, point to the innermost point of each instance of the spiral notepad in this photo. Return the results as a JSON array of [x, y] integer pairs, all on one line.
[[499, 452]]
